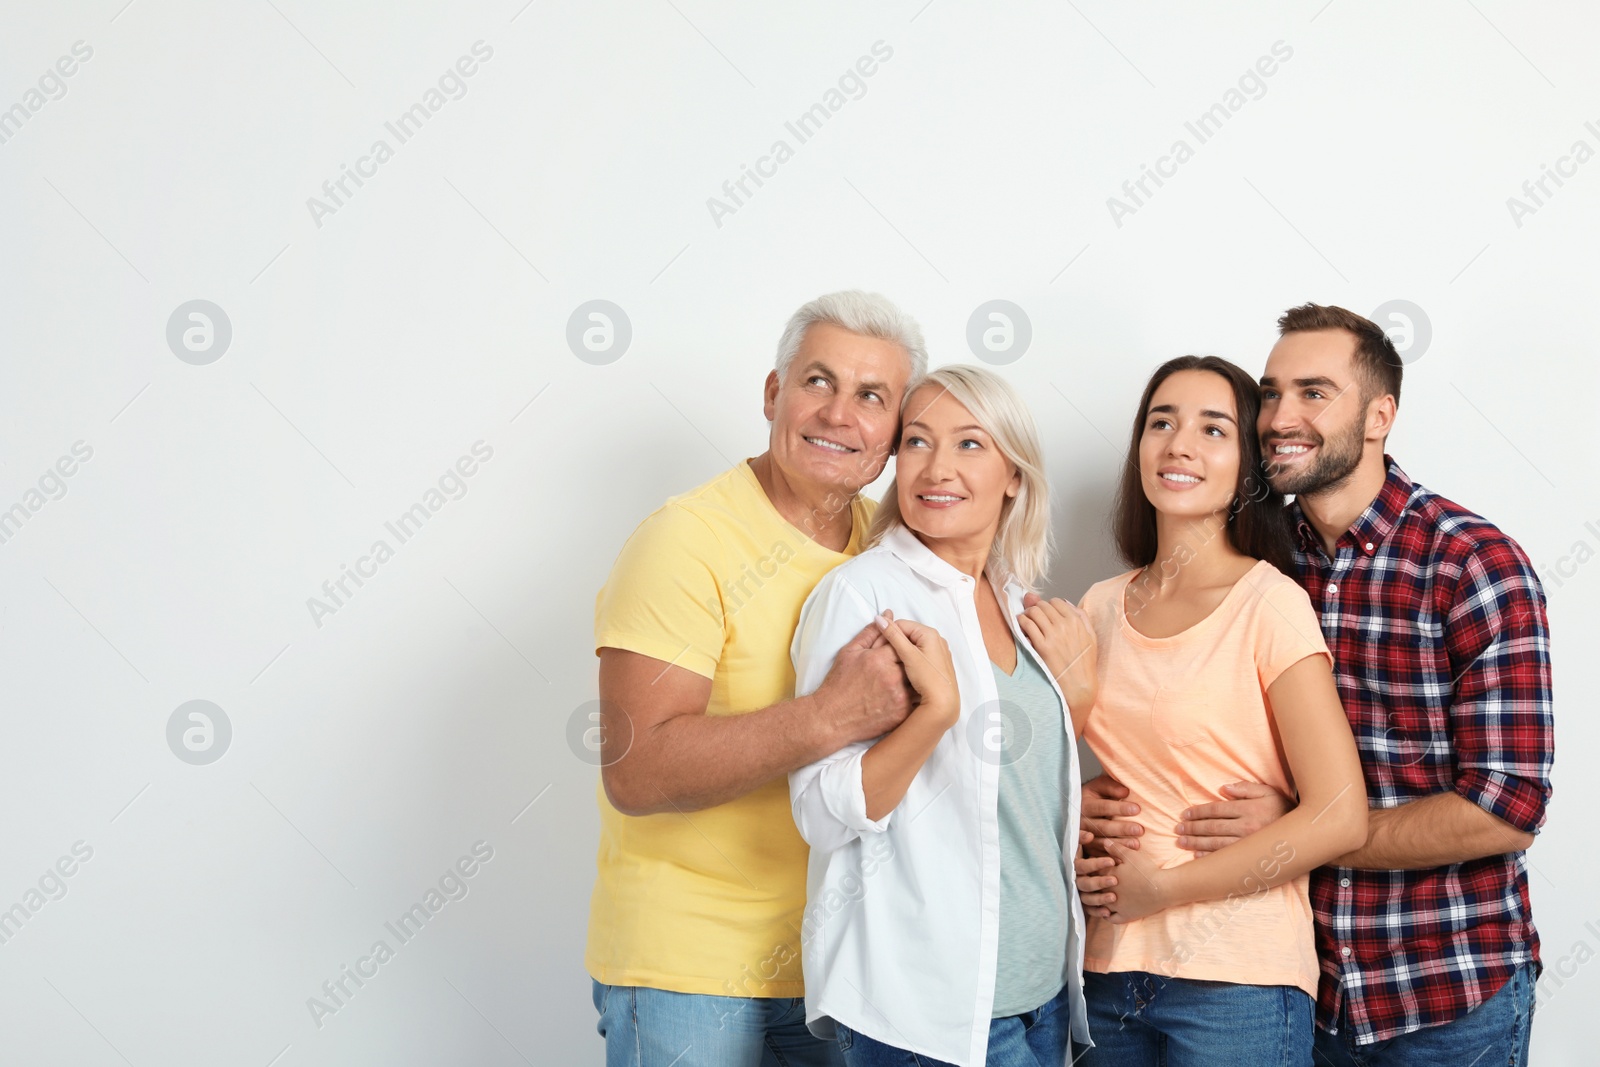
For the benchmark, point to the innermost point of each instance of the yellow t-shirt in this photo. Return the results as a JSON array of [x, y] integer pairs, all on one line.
[[710, 901], [1177, 718]]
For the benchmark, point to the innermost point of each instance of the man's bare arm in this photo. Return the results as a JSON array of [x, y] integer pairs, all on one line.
[[661, 752], [1208, 828], [1434, 831]]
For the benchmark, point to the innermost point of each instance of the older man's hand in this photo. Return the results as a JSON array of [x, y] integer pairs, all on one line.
[[866, 690], [1107, 813]]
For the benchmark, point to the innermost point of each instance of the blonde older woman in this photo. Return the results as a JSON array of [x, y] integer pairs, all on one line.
[[942, 917]]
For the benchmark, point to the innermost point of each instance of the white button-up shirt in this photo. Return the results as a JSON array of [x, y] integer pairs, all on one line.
[[902, 922]]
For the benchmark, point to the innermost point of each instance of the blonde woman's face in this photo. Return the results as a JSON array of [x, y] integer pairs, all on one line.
[[951, 476]]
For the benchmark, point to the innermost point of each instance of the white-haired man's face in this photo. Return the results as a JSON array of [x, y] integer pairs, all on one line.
[[836, 414]]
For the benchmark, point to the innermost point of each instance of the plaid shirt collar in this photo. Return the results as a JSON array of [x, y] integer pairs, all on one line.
[[1374, 525]]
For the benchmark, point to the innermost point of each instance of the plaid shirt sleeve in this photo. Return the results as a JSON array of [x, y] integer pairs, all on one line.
[[1500, 715]]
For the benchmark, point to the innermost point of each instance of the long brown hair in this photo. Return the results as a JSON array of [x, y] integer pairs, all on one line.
[[1257, 524]]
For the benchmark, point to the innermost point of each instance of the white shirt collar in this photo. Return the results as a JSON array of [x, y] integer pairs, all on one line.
[[919, 557]]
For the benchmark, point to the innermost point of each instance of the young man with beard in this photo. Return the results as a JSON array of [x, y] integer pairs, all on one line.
[[1441, 651], [694, 925]]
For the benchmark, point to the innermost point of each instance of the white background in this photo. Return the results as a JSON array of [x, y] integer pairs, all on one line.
[[371, 351]]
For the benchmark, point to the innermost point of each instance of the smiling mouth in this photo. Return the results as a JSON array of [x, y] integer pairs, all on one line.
[[831, 446], [1181, 479], [1289, 450], [940, 500]]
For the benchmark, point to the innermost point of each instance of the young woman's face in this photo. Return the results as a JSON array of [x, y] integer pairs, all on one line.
[[1189, 449], [951, 476]]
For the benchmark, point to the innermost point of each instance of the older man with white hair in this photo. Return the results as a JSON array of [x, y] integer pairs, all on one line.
[[694, 926]]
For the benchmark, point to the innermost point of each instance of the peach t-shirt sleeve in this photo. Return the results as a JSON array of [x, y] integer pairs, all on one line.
[[1287, 630]]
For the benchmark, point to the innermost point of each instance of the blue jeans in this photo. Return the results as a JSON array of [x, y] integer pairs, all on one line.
[[1035, 1038], [646, 1027], [1496, 1032], [1138, 1019]]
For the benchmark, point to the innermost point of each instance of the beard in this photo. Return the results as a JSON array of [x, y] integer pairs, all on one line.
[[1337, 457]]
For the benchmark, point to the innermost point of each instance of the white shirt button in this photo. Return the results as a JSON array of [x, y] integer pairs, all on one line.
[[1345, 952], [1369, 546], [1333, 589], [1344, 882]]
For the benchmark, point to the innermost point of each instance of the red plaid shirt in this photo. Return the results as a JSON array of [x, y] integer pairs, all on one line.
[[1441, 652]]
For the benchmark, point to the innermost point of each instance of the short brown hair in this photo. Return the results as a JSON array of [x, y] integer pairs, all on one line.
[[1377, 363]]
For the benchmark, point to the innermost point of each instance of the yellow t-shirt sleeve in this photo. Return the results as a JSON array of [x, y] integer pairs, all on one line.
[[1287, 631], [663, 598]]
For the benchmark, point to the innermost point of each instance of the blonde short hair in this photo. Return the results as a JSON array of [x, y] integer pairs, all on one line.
[[1024, 540]]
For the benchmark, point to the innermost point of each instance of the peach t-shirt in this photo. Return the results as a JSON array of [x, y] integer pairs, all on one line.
[[1178, 718]]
